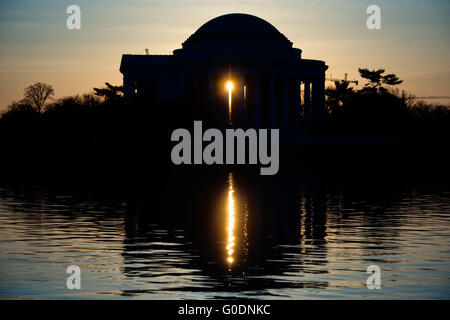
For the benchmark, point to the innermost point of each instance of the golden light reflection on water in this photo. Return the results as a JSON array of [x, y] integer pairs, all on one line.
[[231, 221]]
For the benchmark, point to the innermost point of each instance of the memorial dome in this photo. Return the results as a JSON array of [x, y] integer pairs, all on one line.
[[237, 28]]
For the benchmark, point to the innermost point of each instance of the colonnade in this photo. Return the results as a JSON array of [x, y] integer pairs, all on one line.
[[276, 101]]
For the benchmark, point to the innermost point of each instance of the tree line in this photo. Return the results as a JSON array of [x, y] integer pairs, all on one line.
[[378, 108]]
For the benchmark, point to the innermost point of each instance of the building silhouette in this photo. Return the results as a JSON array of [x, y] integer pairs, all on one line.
[[272, 85]]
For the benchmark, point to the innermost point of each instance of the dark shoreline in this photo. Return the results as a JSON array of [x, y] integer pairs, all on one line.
[[88, 165]]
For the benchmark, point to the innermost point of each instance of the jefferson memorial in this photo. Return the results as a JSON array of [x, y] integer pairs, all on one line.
[[248, 73]]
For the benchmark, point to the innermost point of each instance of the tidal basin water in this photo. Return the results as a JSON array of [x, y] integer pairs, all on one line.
[[302, 235]]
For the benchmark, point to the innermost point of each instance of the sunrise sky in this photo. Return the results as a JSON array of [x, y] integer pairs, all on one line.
[[414, 41]]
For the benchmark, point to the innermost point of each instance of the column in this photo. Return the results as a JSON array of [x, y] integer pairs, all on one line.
[[297, 106], [318, 97], [257, 101], [211, 93], [163, 89], [285, 92], [273, 104], [227, 105], [148, 90], [240, 100], [307, 101], [195, 76], [178, 86], [129, 88]]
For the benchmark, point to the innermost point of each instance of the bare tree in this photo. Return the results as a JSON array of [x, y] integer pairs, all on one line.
[[37, 94]]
